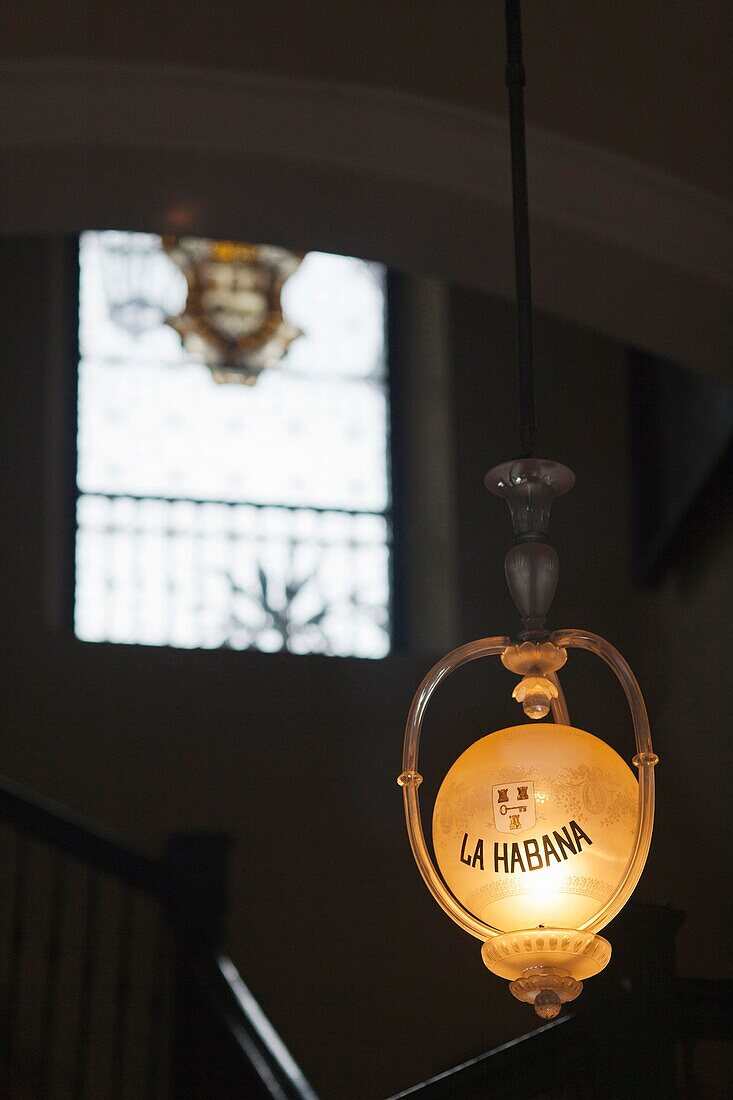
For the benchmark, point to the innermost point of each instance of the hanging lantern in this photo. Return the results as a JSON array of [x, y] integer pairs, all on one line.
[[540, 831]]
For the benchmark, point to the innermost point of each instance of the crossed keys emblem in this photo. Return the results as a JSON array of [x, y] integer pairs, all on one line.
[[514, 806]]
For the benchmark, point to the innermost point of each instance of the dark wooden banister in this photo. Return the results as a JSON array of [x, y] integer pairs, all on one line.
[[189, 882], [71, 834], [259, 1041], [525, 1063], [233, 1038]]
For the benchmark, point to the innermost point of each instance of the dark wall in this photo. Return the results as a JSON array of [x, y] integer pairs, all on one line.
[[369, 984]]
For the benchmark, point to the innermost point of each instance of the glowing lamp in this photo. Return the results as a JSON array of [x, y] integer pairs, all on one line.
[[557, 835], [540, 831]]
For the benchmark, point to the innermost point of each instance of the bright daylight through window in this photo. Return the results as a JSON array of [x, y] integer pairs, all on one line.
[[231, 515]]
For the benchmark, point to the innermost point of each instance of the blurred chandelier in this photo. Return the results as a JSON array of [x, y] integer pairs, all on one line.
[[141, 285], [540, 832]]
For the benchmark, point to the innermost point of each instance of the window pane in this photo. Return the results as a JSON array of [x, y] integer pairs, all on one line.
[[127, 287], [208, 575], [159, 429], [242, 516], [338, 302]]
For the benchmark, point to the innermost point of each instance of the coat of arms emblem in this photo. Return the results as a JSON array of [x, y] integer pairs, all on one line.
[[233, 319], [514, 806]]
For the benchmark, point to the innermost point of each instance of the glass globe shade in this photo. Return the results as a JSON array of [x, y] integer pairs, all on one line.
[[534, 825]]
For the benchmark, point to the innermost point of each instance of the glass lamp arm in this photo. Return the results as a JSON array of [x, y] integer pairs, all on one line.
[[471, 651], [584, 639], [410, 781], [559, 706], [645, 761]]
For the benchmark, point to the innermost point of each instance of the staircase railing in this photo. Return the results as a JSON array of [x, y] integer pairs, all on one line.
[[528, 1066], [113, 984], [112, 979], [637, 1030]]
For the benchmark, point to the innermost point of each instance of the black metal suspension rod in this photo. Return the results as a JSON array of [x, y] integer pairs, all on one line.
[[515, 84]]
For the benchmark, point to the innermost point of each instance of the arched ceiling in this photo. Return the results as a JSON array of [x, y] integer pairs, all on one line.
[[648, 79], [380, 130]]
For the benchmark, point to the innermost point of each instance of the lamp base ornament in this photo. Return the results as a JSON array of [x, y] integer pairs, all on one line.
[[547, 990], [546, 966]]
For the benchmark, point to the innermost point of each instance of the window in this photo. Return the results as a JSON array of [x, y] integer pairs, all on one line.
[[216, 515]]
